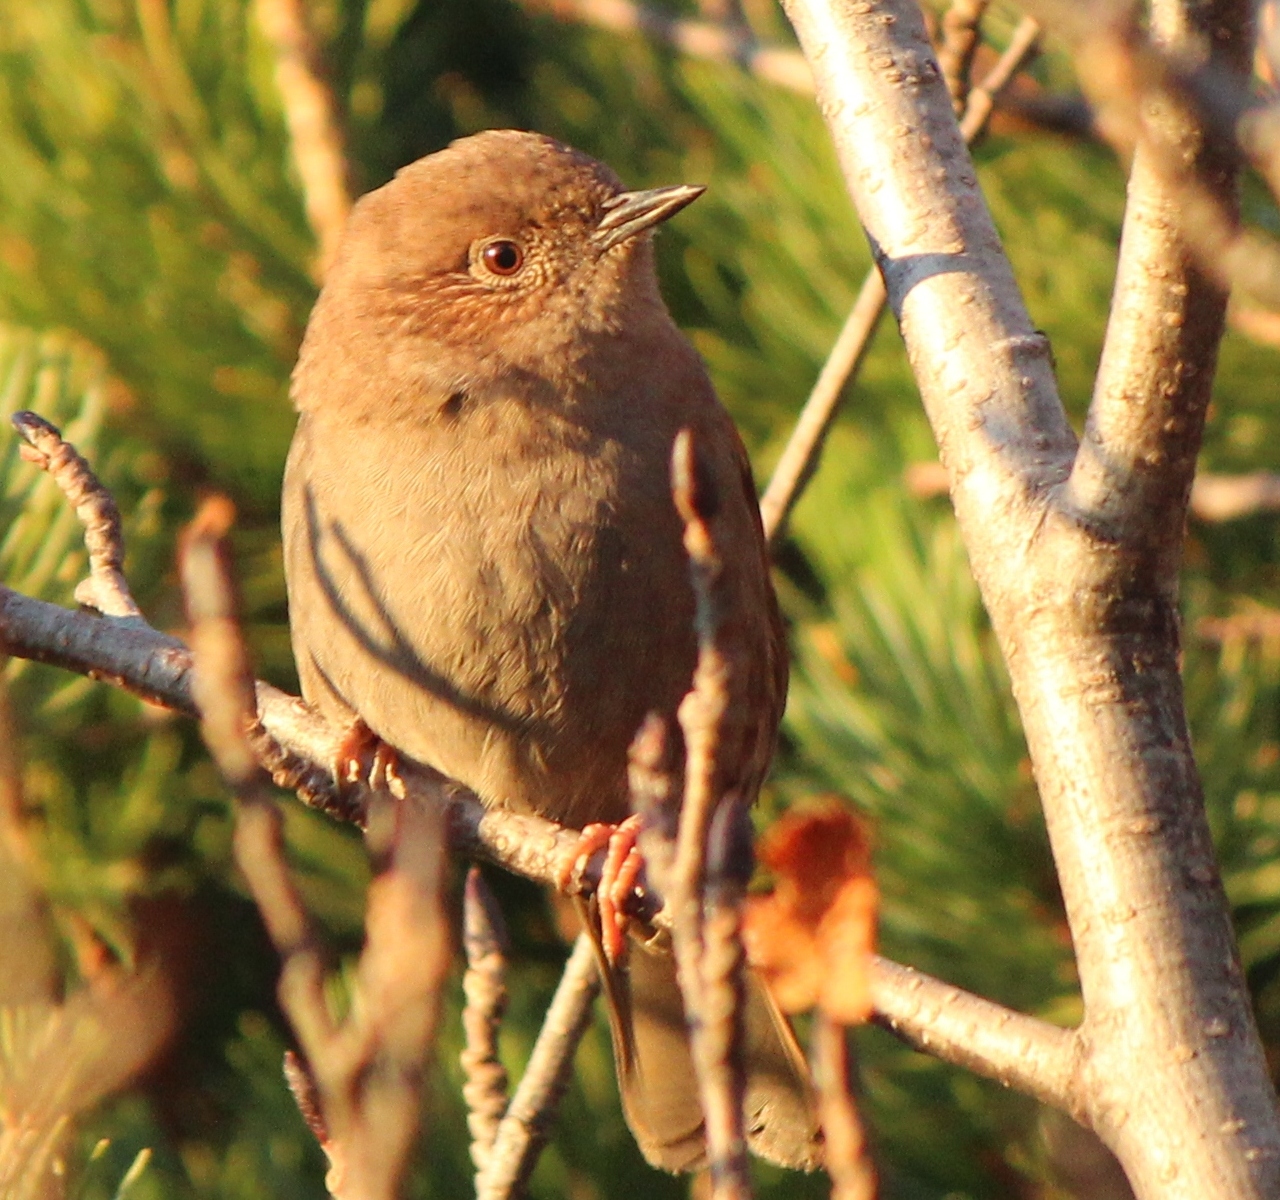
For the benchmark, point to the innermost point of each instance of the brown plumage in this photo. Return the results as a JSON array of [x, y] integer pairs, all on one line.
[[483, 558]]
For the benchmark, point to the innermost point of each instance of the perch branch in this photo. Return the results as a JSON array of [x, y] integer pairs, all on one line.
[[158, 668], [138, 659]]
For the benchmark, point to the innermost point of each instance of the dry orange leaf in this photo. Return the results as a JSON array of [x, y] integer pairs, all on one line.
[[813, 936]]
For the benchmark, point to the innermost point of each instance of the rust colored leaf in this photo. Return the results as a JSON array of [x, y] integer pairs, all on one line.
[[813, 936]]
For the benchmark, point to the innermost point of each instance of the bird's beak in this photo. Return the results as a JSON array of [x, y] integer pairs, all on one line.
[[630, 213]]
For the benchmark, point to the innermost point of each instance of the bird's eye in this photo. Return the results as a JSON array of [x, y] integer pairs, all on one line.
[[502, 257]]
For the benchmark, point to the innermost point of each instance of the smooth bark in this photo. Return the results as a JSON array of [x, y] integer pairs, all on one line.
[[1171, 1073]]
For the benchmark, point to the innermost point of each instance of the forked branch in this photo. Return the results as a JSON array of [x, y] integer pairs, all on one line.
[[1171, 1075]]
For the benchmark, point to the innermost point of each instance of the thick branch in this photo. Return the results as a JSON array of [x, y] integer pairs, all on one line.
[[800, 456], [1172, 1078], [1133, 474]]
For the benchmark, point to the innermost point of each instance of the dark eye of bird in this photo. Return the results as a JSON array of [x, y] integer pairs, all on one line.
[[503, 258]]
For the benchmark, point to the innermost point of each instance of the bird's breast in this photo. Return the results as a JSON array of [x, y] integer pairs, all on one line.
[[509, 585]]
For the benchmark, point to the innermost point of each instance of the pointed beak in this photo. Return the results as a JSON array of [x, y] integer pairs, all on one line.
[[630, 213]]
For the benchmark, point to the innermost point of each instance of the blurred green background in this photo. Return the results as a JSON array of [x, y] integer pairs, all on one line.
[[154, 281]]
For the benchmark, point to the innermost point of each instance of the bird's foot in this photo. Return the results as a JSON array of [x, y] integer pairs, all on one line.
[[618, 875], [365, 759]]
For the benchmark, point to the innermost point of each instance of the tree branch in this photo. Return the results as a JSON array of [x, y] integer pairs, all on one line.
[[316, 132], [300, 749], [156, 667], [716, 41], [800, 456], [526, 1126], [484, 940], [1171, 1074], [1214, 498], [361, 1083], [1132, 476], [1024, 1053]]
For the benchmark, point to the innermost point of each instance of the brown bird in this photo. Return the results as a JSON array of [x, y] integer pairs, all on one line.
[[484, 561]]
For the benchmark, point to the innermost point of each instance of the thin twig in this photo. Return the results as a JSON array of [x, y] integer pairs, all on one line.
[[848, 1161], [367, 1071], [1022, 47], [222, 689], [484, 941], [1230, 497], [1257, 324], [800, 457], [706, 918], [1252, 625], [526, 1126], [316, 131], [106, 588], [960, 36]]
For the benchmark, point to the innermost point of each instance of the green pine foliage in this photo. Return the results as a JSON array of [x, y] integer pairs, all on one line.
[[155, 274]]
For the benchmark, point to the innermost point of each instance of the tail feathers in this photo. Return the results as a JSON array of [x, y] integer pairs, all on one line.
[[659, 1087]]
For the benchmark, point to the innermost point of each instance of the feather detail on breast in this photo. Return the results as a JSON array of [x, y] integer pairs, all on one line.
[[472, 610]]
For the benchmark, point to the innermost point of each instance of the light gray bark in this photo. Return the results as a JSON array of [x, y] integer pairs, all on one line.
[[1080, 579]]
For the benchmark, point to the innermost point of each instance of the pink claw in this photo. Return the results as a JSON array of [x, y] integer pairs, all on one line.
[[617, 877]]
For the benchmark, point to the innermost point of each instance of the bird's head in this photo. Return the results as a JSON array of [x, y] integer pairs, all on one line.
[[507, 251]]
